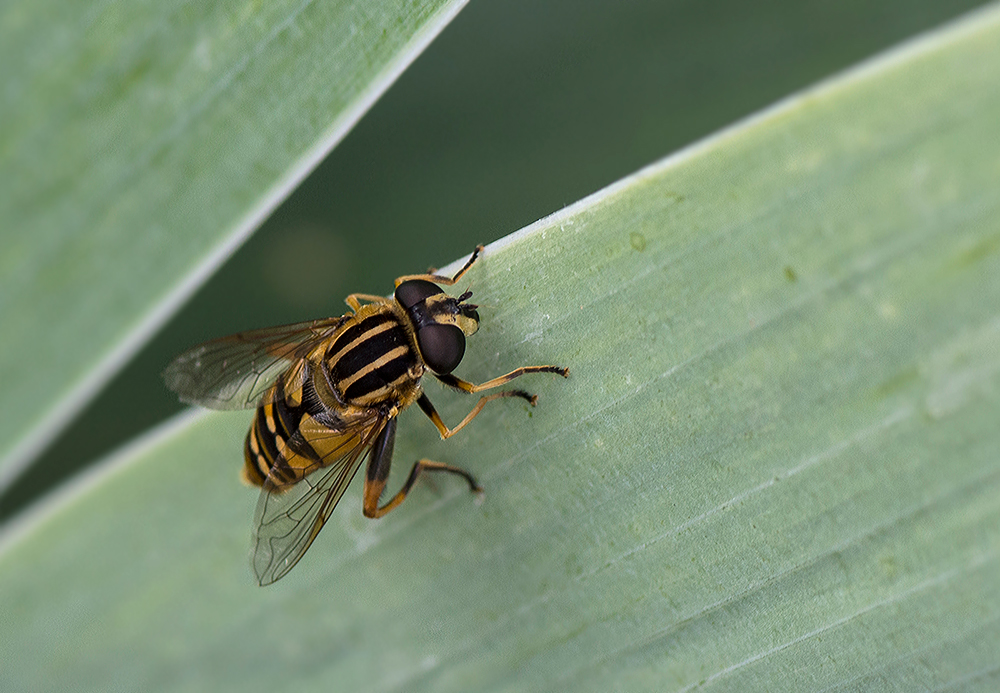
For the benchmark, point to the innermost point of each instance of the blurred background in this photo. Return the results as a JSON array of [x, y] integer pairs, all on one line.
[[519, 108]]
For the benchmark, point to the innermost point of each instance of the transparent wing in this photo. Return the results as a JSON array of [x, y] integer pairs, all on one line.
[[289, 517], [234, 372]]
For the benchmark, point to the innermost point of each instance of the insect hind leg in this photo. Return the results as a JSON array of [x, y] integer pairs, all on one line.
[[372, 508], [377, 474]]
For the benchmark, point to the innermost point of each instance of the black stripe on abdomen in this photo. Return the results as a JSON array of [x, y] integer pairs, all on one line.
[[262, 447]]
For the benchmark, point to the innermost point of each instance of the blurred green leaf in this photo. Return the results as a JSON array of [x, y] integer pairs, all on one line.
[[141, 143], [774, 466]]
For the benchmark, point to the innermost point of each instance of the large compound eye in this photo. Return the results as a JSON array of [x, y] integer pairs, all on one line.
[[412, 292], [442, 347]]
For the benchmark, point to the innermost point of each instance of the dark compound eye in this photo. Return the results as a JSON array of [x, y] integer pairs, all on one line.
[[442, 347], [412, 292]]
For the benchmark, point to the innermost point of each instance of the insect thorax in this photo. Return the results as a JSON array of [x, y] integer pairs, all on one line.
[[373, 361]]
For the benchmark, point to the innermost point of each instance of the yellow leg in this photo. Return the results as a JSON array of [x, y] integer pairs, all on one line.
[[438, 279], [431, 412], [466, 386], [374, 487], [354, 300]]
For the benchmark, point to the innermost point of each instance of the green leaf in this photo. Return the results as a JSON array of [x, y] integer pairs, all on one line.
[[773, 466], [142, 142]]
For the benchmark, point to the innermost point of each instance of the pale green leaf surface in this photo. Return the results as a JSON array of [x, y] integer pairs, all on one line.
[[141, 143], [774, 467]]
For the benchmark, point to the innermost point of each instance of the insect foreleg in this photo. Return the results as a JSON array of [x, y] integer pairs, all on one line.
[[437, 278], [465, 386], [354, 300]]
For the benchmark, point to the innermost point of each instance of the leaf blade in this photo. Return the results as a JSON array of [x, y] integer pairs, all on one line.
[[773, 465]]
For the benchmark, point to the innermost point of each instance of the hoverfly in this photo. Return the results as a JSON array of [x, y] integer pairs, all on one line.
[[327, 394]]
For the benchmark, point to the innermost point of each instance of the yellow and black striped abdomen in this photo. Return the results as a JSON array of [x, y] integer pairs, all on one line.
[[274, 424], [293, 436], [286, 440], [372, 361]]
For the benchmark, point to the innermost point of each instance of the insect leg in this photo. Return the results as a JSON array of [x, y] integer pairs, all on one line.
[[378, 472], [437, 278], [431, 412], [354, 300], [465, 386]]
